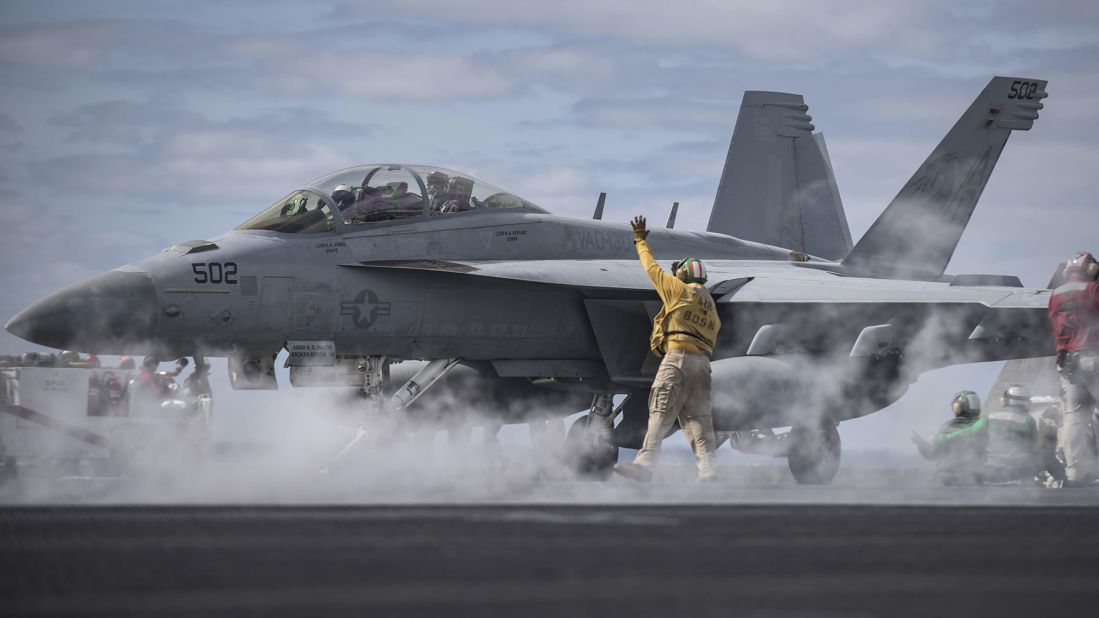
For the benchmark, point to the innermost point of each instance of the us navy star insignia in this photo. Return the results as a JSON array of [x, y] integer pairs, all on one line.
[[365, 309]]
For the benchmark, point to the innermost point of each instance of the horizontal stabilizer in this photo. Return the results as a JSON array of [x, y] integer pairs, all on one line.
[[777, 187], [916, 235]]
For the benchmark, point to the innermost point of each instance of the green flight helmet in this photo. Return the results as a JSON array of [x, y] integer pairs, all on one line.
[[966, 403]]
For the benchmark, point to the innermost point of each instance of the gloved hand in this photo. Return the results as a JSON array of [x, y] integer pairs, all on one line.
[[639, 231], [922, 445]]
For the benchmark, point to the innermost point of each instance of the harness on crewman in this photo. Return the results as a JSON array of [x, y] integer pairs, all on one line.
[[687, 332]]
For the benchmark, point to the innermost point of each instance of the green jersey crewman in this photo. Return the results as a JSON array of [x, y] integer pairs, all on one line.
[[958, 447], [1013, 452]]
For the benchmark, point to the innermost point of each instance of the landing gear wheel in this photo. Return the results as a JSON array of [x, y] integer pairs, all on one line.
[[814, 455], [589, 455], [9, 470]]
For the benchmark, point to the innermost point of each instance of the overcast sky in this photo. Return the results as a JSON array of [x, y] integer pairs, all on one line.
[[127, 126]]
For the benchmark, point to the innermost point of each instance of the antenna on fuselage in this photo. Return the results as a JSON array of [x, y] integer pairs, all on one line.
[[598, 216], [672, 214]]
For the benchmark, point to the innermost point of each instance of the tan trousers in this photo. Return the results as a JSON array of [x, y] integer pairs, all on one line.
[[1079, 373], [681, 390]]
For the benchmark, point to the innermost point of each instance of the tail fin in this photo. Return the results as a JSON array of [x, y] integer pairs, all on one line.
[[916, 235], [1037, 374], [777, 187]]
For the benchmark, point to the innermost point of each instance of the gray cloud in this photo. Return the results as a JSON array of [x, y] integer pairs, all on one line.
[[179, 153], [124, 122], [69, 47], [759, 31], [7, 125], [657, 113]]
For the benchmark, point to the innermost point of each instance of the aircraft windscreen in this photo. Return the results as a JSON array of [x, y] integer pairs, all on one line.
[[301, 212], [452, 192], [375, 193], [385, 192]]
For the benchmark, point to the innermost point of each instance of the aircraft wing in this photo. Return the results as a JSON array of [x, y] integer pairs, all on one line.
[[769, 308], [600, 274], [770, 289], [751, 282]]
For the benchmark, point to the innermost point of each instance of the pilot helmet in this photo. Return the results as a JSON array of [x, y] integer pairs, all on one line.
[[67, 357], [1082, 266], [436, 181], [343, 195], [125, 362], [460, 188], [966, 403], [695, 270], [1016, 395], [150, 363]]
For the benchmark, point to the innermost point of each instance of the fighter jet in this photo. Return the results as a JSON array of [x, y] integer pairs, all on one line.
[[376, 264]]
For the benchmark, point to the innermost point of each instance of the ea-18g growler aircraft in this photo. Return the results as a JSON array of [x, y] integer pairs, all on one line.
[[383, 263]]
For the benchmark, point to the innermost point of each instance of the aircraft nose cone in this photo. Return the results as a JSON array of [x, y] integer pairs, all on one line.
[[106, 314]]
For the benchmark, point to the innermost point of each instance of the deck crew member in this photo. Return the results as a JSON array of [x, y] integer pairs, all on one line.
[[958, 447], [1013, 452], [1074, 316], [684, 332]]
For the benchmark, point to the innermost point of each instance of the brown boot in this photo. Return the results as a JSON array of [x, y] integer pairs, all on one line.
[[636, 472]]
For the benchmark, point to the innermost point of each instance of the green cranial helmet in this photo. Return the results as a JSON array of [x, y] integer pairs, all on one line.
[[966, 403], [696, 270]]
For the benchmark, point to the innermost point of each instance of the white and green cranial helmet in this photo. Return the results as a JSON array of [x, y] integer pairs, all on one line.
[[966, 403], [696, 270], [1016, 394]]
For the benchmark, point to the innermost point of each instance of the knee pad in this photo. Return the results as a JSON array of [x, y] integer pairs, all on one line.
[[1076, 398]]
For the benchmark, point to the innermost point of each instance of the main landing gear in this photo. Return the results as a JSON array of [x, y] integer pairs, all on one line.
[[814, 456], [812, 451]]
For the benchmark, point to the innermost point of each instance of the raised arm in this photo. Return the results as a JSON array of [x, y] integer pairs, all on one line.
[[667, 286]]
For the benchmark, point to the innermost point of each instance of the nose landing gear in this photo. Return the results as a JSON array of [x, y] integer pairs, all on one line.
[[380, 419], [589, 444]]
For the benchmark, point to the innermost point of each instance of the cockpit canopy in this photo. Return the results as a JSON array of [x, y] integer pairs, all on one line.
[[371, 194]]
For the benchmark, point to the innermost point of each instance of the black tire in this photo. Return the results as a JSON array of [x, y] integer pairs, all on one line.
[[588, 457], [814, 456], [9, 471]]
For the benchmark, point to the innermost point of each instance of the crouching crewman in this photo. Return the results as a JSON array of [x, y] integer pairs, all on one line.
[[958, 447]]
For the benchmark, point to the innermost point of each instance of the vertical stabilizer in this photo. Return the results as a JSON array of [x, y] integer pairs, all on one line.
[[777, 187], [916, 235], [1037, 374]]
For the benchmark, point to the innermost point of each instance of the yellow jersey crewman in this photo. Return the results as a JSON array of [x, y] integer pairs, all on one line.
[[683, 334]]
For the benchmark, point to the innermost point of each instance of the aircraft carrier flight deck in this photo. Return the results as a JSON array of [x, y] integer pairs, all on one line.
[[895, 547]]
